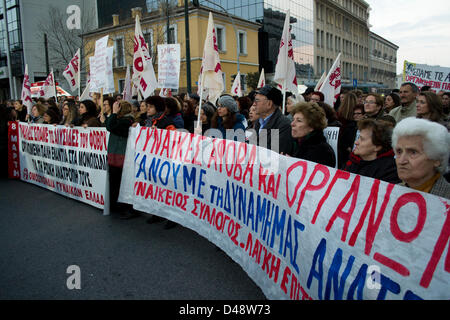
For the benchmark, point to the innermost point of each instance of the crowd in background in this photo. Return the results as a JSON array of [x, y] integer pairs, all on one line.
[[401, 138]]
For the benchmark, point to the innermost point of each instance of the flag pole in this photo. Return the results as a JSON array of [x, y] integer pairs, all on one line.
[[79, 74], [284, 95], [201, 99]]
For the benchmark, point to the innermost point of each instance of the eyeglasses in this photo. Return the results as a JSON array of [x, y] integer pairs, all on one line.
[[370, 102], [256, 101]]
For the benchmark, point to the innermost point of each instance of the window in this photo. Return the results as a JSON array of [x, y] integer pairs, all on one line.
[[221, 36], [242, 42], [121, 85], [173, 36], [119, 52], [148, 36]]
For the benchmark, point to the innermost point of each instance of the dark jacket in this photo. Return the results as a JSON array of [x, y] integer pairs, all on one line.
[[117, 143], [160, 121], [382, 168], [314, 147], [346, 140], [178, 120], [239, 124], [21, 115], [282, 123]]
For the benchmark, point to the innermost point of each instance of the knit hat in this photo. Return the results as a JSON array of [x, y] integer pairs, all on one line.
[[229, 103], [272, 94]]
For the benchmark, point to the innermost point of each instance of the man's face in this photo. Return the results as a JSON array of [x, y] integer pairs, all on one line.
[[263, 106], [407, 95]]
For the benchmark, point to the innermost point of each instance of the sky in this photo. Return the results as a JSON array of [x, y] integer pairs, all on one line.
[[420, 28]]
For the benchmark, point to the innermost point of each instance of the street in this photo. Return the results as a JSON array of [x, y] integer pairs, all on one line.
[[43, 233]]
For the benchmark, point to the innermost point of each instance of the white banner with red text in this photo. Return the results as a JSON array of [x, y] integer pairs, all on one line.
[[437, 77], [300, 230], [68, 161]]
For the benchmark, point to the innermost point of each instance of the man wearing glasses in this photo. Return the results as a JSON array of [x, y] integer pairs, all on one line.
[[272, 124]]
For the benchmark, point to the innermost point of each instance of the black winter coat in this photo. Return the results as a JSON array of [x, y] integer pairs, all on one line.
[[382, 168], [282, 123], [314, 147]]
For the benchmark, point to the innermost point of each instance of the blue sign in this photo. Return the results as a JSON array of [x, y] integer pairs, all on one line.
[[355, 83]]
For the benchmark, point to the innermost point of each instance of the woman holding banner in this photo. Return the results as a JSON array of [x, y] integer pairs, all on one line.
[[373, 155], [118, 124], [308, 123]]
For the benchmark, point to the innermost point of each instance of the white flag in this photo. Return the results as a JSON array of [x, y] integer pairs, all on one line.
[[320, 82], [165, 92], [331, 87], [285, 74], [262, 80], [143, 72], [26, 91], [236, 87], [48, 90], [71, 73], [211, 70], [127, 94]]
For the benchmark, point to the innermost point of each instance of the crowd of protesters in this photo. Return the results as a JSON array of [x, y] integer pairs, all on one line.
[[401, 138]]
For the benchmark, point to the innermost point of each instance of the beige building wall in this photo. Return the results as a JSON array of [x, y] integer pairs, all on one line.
[[153, 26]]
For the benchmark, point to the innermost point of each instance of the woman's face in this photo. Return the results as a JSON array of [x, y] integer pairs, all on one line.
[[47, 118], [143, 107], [66, 111], [83, 109], [252, 115], [106, 106], [413, 165], [222, 111], [358, 115], [151, 110], [203, 117], [289, 105], [364, 147], [422, 106], [389, 103], [17, 105], [370, 106], [299, 126], [35, 112]]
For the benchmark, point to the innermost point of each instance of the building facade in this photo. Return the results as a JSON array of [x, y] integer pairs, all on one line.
[[28, 21], [383, 61], [154, 25], [342, 26]]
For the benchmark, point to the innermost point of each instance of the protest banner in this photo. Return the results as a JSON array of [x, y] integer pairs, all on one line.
[[303, 231], [236, 89], [68, 161], [169, 66], [332, 136], [98, 65], [438, 78]]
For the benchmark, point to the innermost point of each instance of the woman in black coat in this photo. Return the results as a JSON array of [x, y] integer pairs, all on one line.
[[307, 127], [373, 155]]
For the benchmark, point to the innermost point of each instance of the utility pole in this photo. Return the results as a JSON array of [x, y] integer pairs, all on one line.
[[188, 46], [47, 66]]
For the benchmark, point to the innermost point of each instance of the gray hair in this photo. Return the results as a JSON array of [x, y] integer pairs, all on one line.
[[436, 138], [414, 88]]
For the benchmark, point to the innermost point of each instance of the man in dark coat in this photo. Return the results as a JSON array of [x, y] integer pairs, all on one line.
[[267, 102]]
